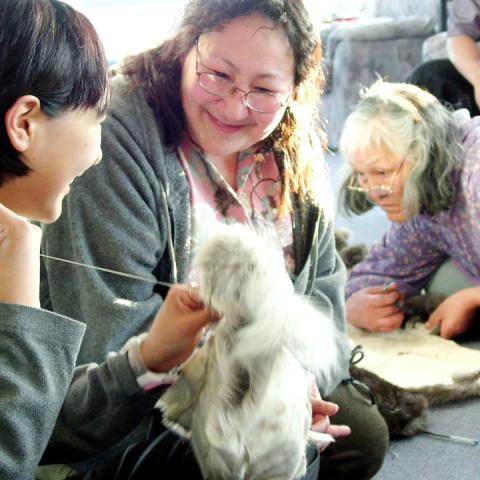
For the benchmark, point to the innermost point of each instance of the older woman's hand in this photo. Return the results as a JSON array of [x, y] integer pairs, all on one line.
[[19, 259], [176, 330], [455, 313], [373, 309]]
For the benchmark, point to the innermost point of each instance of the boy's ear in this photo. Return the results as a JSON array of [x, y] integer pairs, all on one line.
[[20, 120]]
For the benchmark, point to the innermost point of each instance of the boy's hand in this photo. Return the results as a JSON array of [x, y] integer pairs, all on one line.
[[19, 259]]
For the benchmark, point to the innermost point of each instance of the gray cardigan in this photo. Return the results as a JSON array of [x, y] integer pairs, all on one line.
[[131, 213], [88, 415]]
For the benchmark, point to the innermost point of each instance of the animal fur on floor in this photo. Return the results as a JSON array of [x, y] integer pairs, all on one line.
[[413, 358], [243, 398], [410, 369], [405, 412]]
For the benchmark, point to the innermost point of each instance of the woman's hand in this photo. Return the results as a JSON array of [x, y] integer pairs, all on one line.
[[321, 412], [373, 309], [177, 329], [456, 312], [19, 259]]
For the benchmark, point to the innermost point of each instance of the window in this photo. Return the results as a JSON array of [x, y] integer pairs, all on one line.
[[129, 26]]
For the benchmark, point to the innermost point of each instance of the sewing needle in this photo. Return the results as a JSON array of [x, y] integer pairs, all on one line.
[[453, 438], [115, 272], [387, 288]]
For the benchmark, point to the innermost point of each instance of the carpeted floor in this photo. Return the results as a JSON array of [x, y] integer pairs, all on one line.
[[421, 457]]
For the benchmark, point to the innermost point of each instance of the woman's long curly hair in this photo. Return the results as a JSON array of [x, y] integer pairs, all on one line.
[[158, 71]]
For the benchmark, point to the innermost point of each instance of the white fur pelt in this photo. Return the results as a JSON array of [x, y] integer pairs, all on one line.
[[413, 358], [244, 398]]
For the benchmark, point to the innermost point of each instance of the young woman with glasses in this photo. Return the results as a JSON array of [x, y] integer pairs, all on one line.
[[420, 163], [214, 124]]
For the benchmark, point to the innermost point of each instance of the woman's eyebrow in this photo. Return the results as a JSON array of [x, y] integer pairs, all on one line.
[[236, 70]]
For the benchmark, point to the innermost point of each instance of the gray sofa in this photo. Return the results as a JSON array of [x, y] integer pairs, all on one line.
[[388, 44]]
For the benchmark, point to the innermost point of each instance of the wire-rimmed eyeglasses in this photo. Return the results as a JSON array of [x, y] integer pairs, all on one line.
[[262, 102], [379, 189]]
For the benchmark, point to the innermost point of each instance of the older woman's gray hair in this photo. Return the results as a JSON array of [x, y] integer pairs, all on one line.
[[413, 125]]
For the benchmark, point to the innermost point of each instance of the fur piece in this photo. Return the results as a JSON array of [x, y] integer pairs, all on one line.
[[412, 361], [411, 369], [457, 391], [418, 308], [413, 358], [405, 412], [244, 398], [351, 254]]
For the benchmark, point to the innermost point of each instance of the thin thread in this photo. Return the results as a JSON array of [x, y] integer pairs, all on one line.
[[115, 272]]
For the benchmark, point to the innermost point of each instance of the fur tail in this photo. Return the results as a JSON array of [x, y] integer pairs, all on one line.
[[281, 318], [443, 394], [244, 276]]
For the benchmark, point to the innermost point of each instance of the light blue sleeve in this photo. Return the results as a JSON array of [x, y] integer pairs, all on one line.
[[464, 19]]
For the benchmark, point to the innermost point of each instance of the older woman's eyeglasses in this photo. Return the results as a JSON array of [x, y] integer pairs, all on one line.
[[379, 189], [262, 102]]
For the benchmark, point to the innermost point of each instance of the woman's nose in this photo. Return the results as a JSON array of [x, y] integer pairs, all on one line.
[[377, 192], [235, 106]]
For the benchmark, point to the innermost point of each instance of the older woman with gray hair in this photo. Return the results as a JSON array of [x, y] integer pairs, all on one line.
[[420, 163]]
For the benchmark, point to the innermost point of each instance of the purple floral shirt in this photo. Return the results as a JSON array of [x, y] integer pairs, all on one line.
[[411, 251]]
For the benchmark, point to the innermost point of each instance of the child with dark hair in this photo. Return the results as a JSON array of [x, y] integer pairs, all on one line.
[[54, 91]]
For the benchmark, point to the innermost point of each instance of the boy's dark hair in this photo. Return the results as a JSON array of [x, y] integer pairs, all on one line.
[[51, 51]]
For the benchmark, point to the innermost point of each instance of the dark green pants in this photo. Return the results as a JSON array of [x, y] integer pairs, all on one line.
[[360, 455]]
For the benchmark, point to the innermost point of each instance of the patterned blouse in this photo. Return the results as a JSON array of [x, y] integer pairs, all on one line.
[[254, 202]]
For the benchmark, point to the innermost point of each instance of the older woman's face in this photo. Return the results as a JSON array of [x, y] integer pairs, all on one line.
[[377, 167], [254, 55]]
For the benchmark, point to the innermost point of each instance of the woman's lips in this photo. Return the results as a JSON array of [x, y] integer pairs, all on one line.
[[224, 127], [388, 207]]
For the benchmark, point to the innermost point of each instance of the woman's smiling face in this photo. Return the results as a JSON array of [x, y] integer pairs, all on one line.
[[254, 55]]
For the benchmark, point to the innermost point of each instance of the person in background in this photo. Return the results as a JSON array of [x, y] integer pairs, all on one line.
[[54, 91], [214, 124], [419, 162], [456, 79]]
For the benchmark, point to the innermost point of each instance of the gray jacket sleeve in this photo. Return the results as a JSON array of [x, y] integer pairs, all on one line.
[[37, 357], [327, 284], [103, 405], [321, 274], [121, 215]]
